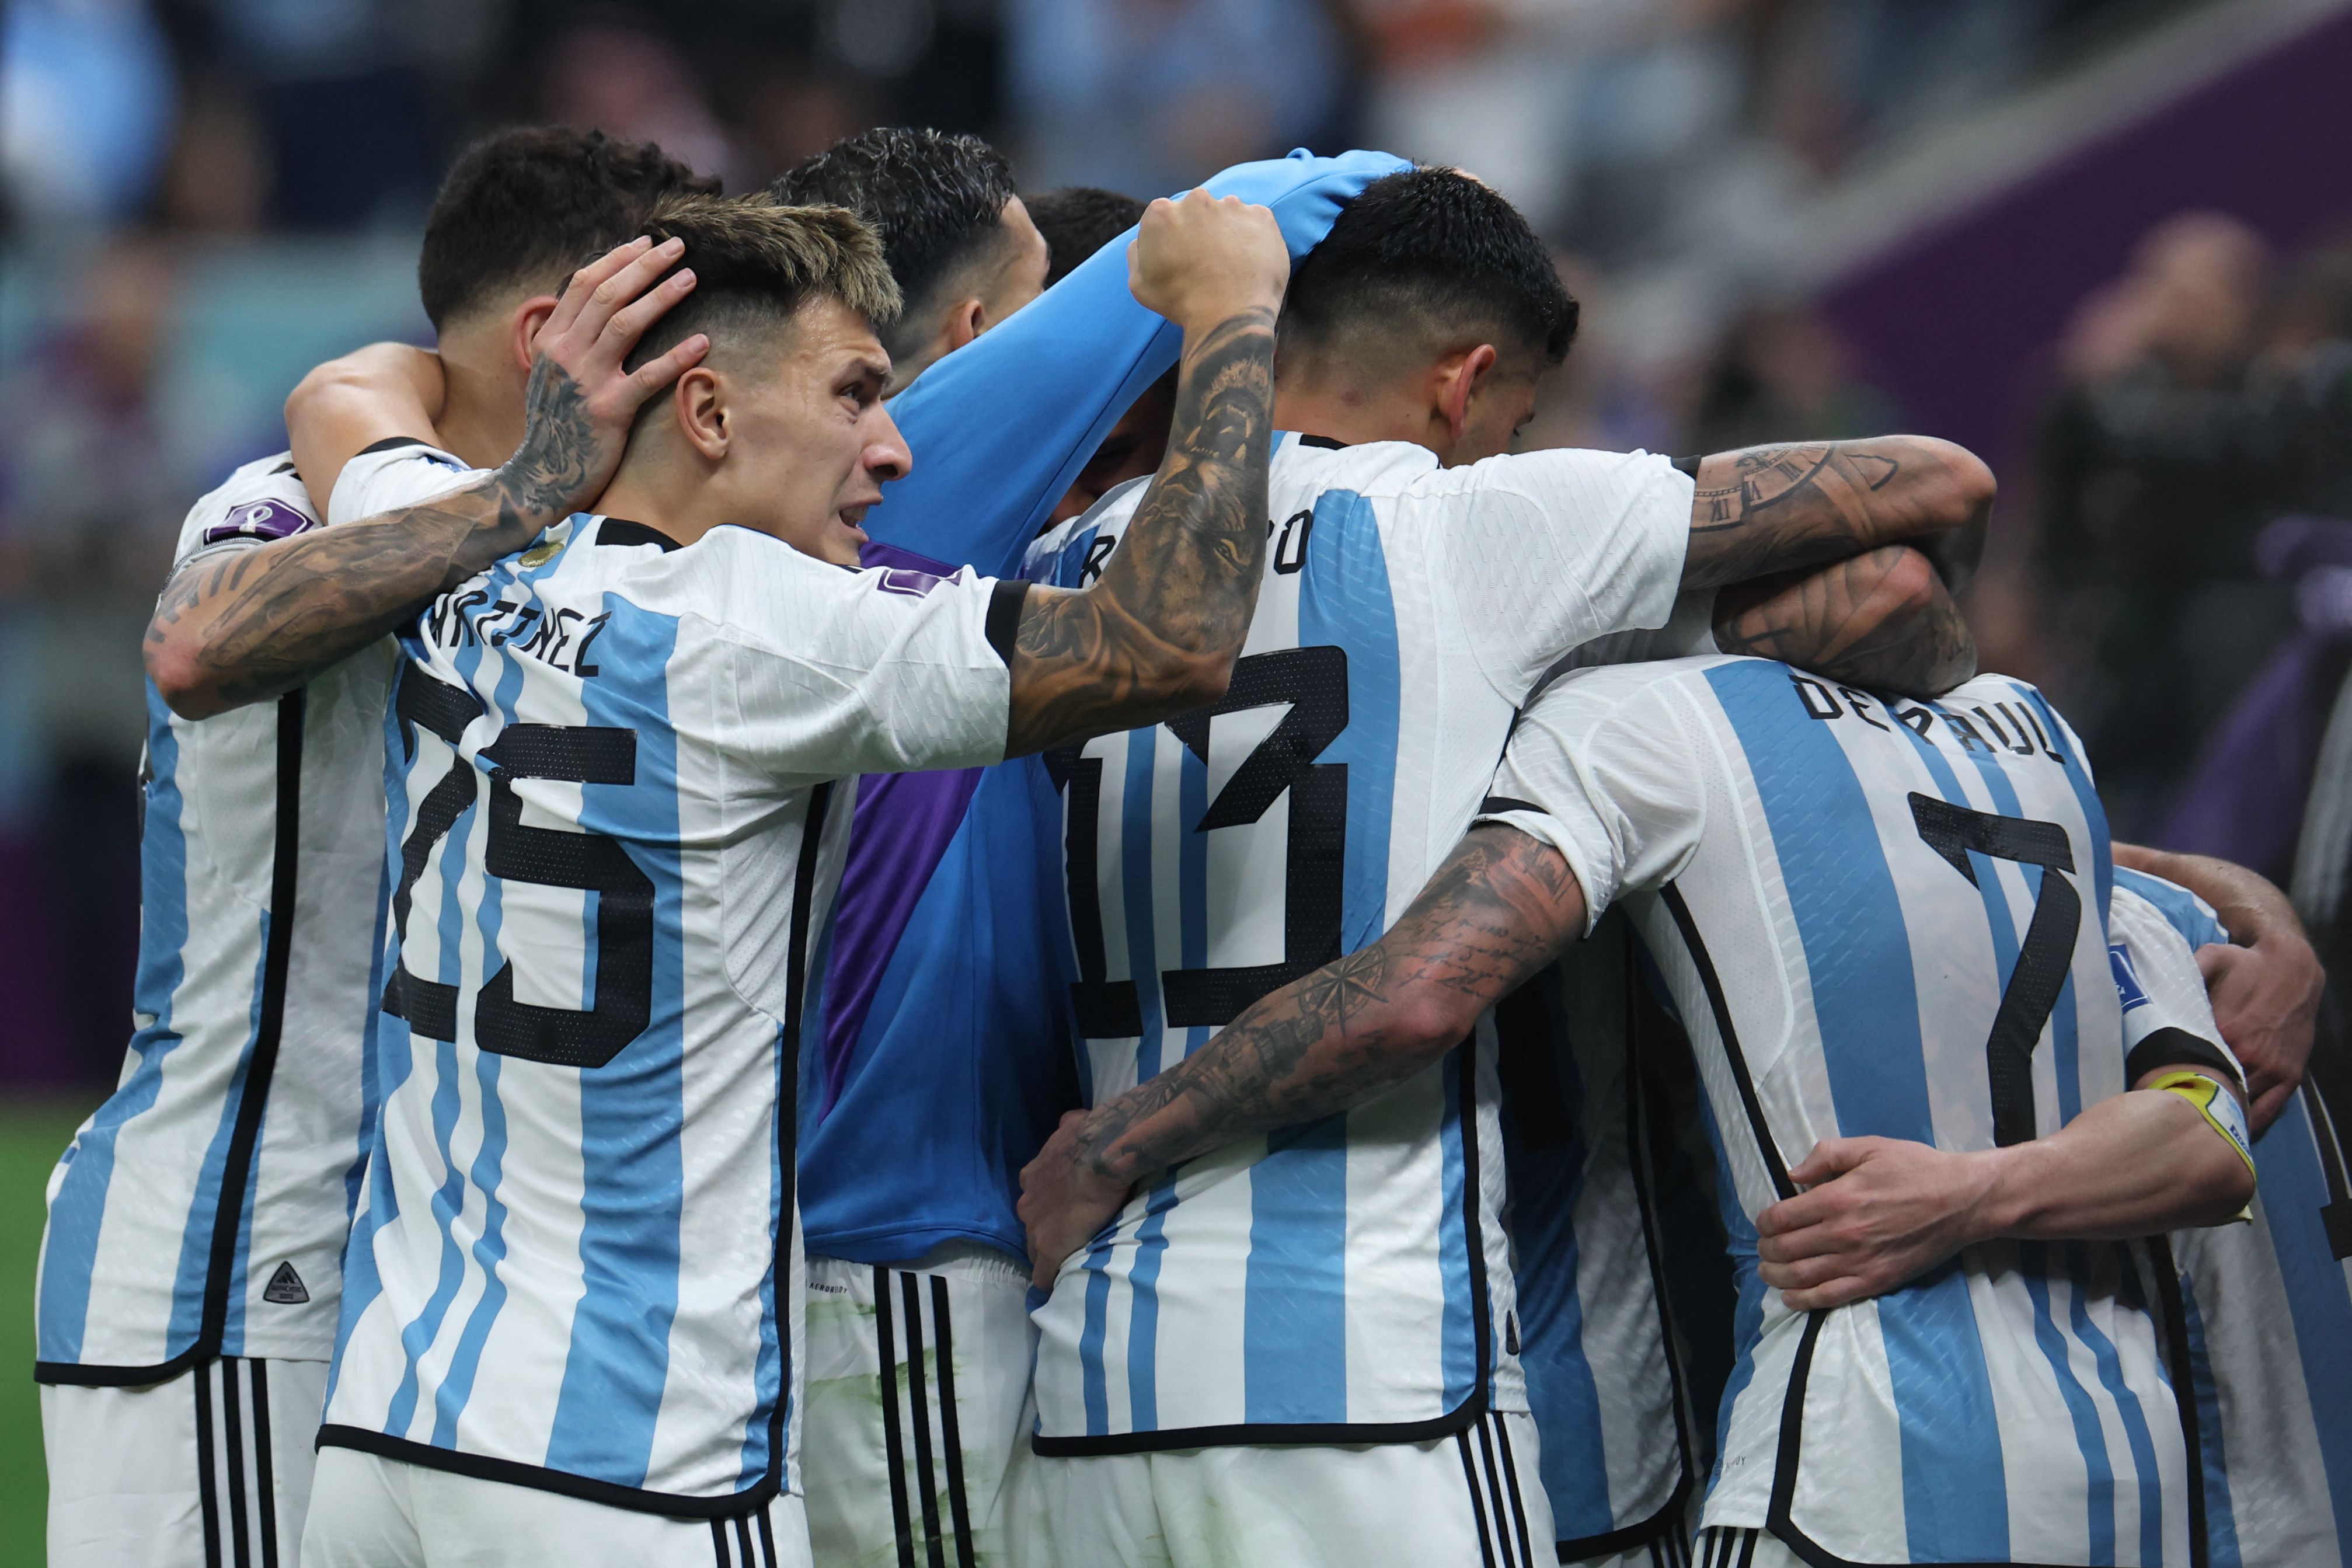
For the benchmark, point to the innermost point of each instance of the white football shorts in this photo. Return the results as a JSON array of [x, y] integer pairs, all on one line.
[[1471, 1499], [374, 1512], [918, 1375], [208, 1470]]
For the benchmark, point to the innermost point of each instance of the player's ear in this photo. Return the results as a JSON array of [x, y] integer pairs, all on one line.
[[523, 326], [1459, 376], [699, 405], [966, 322]]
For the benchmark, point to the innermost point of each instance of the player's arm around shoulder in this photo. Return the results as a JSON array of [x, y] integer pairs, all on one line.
[[2264, 982], [1884, 620], [1501, 907], [1506, 902], [1157, 632], [267, 620], [1774, 509], [381, 392], [2169, 1153]]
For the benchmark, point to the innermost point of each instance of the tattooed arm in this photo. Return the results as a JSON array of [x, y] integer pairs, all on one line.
[[238, 629], [1157, 633], [1772, 508], [1882, 620], [1501, 907]]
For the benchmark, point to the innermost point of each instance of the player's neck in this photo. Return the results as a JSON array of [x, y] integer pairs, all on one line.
[[1340, 411], [482, 416], [647, 491]]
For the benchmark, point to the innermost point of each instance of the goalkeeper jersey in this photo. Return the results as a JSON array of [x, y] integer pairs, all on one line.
[[1877, 917]]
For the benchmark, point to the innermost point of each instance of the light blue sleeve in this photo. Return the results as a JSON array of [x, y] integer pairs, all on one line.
[[2189, 914], [1000, 428]]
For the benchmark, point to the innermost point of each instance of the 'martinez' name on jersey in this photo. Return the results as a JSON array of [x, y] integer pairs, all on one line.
[[575, 1263], [202, 1209], [1879, 918], [1347, 1281]]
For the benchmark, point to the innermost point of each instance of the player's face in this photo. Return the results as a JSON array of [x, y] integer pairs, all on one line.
[[814, 439]]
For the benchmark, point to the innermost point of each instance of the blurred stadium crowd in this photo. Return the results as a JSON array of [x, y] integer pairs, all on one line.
[[204, 197]]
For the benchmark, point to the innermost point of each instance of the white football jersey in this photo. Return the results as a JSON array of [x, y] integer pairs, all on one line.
[[1877, 917], [576, 1259], [2267, 1305], [1606, 1379], [1349, 1281], [202, 1210]]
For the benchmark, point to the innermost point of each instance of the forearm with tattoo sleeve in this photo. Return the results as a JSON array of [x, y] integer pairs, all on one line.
[[1501, 907], [1882, 620], [263, 621], [1776, 508], [1157, 633]]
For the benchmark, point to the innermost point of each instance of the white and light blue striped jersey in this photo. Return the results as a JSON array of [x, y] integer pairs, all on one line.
[[1877, 917], [1347, 1281], [1605, 1379], [576, 1260], [202, 1210], [2267, 1305]]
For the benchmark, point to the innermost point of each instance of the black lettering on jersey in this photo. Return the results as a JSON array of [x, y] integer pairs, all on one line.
[[1969, 740], [580, 664], [1818, 703], [447, 616], [524, 615], [482, 622], [453, 622], [1916, 718], [2027, 722], [1099, 550], [1860, 703], [2043, 957], [533, 640], [547, 636], [2022, 746], [1289, 558]]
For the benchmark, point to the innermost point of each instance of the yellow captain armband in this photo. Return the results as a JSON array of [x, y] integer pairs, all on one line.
[[2216, 1104]]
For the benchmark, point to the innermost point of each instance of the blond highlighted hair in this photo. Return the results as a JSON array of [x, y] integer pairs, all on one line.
[[756, 263]]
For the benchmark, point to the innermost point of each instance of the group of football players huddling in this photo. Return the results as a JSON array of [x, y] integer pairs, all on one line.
[[887, 875]]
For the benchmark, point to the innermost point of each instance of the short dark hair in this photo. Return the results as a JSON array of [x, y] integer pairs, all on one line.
[[525, 206], [1436, 247], [756, 263], [936, 200], [1077, 221]]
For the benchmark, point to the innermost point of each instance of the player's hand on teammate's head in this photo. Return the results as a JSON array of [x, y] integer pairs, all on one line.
[[1879, 1212], [2266, 1004], [1065, 1203], [1201, 258], [581, 400]]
